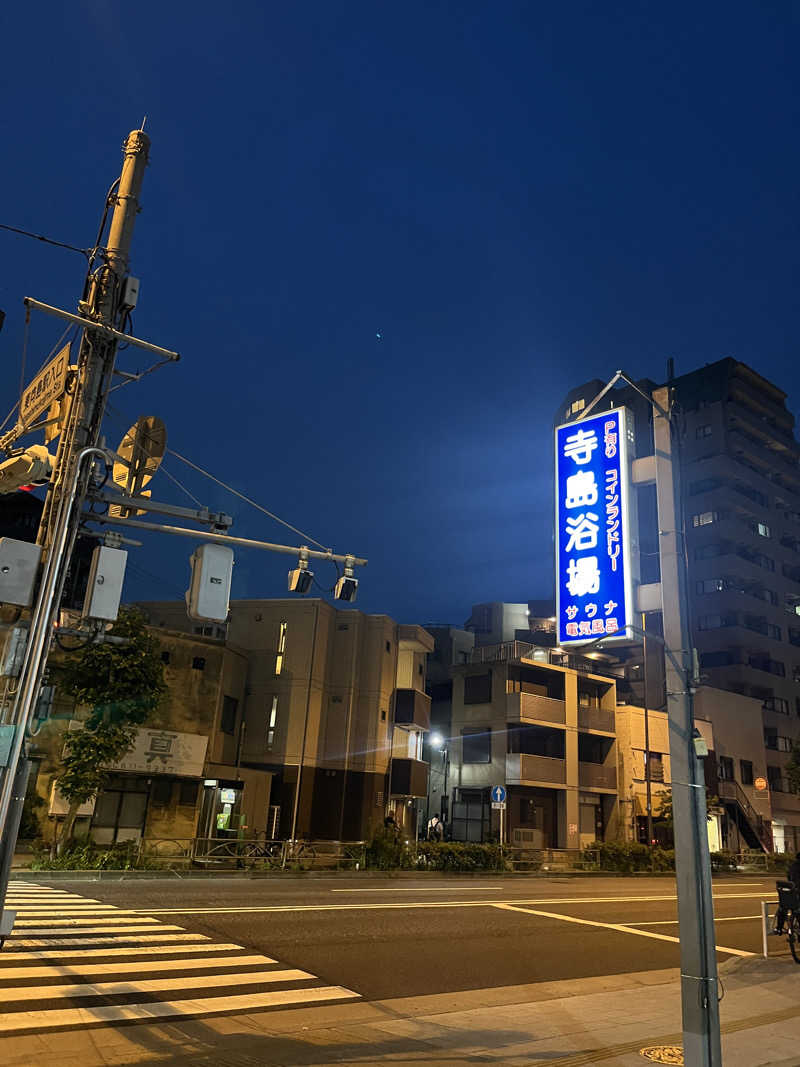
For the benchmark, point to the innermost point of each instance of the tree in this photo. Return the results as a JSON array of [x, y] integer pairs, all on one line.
[[793, 769], [121, 684], [665, 817]]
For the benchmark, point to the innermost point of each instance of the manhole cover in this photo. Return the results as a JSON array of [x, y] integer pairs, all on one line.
[[663, 1054]]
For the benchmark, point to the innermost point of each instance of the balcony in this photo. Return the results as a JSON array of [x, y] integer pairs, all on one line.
[[597, 776], [529, 707], [409, 778], [412, 709], [596, 719], [523, 769]]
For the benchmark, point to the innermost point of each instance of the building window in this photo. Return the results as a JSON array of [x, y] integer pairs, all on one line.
[[656, 762], [705, 518], [725, 769], [762, 529], [388, 646], [187, 794], [273, 720], [476, 742], [198, 663], [746, 771], [705, 486], [715, 622], [383, 714], [165, 657], [227, 722], [703, 431], [777, 704], [477, 688], [281, 647], [707, 551], [710, 585], [775, 779]]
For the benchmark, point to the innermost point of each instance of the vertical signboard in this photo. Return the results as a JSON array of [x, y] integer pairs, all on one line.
[[594, 579]]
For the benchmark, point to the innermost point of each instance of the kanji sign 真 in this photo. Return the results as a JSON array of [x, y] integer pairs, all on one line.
[[593, 529]]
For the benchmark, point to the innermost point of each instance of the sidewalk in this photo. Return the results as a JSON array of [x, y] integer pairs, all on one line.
[[604, 1021]]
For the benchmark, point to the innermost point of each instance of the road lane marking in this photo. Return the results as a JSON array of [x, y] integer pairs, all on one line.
[[207, 963], [425, 889], [383, 906], [612, 926], [131, 988], [80, 952], [46, 931], [717, 919], [152, 937], [104, 1015]]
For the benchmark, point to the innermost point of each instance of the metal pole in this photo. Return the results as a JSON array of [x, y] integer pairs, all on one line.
[[349, 725], [305, 725], [699, 984], [647, 771]]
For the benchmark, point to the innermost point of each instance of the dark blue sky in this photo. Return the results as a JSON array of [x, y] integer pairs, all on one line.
[[517, 196]]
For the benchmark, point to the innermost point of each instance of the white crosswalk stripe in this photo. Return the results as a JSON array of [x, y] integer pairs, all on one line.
[[72, 962]]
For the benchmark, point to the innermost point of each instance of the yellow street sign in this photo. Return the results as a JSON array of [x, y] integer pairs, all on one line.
[[48, 385]]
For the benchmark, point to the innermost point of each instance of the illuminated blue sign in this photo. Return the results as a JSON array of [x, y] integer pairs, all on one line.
[[593, 530]]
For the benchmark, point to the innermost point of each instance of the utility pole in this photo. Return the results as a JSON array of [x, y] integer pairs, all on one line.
[[80, 432], [699, 983], [648, 776]]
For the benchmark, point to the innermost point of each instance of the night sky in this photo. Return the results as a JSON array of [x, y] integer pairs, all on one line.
[[387, 239]]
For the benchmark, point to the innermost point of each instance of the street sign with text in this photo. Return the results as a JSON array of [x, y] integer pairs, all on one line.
[[594, 568], [47, 386]]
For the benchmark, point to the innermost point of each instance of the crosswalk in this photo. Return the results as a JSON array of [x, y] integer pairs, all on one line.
[[73, 962]]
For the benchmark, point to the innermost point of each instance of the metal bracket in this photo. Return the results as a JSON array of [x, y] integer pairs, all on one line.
[[218, 520]]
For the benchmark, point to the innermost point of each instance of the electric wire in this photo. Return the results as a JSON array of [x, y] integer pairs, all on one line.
[[249, 500], [47, 240], [118, 417]]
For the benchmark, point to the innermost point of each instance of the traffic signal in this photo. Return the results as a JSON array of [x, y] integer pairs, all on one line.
[[210, 589], [31, 467]]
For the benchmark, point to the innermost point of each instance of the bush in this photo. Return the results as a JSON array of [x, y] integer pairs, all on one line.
[[92, 857], [386, 852], [723, 861], [628, 857], [459, 856]]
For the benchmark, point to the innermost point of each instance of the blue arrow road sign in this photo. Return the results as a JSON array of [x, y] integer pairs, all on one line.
[[498, 794]]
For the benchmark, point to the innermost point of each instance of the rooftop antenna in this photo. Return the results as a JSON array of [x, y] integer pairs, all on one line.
[[144, 120]]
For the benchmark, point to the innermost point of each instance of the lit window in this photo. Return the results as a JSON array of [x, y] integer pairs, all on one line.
[[281, 647], [273, 719], [763, 530], [704, 518]]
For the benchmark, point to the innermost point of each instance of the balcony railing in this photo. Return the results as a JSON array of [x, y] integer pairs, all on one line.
[[412, 709], [531, 706], [597, 776], [522, 768], [595, 719], [409, 778]]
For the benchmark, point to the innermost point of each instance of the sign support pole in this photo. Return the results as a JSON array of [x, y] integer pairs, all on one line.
[[699, 984]]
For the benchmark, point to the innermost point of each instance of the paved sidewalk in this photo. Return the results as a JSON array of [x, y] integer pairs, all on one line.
[[605, 1021]]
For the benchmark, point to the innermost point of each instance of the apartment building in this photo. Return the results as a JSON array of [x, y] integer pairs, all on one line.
[[542, 724], [739, 469], [335, 711]]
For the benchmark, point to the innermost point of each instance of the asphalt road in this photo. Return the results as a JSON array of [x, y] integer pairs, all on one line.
[[385, 937]]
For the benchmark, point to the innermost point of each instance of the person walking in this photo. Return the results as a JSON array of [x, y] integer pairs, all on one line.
[[435, 829]]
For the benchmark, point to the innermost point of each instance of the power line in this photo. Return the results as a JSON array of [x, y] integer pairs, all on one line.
[[249, 500], [47, 240]]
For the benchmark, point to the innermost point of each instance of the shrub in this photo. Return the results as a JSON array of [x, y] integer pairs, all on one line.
[[92, 857], [459, 856], [386, 852], [723, 861], [628, 857]]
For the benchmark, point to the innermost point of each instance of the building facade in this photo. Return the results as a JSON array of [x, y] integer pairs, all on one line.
[[335, 711], [547, 732]]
